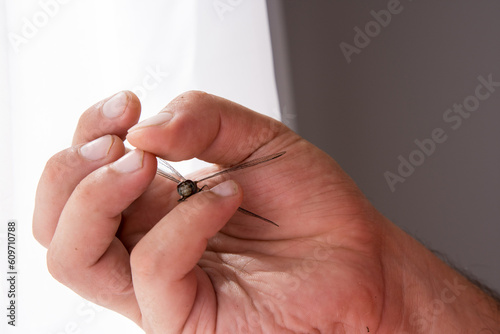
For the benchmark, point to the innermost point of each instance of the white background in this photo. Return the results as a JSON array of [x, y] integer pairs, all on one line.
[[59, 57]]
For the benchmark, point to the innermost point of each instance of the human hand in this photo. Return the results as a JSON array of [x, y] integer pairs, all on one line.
[[117, 236]]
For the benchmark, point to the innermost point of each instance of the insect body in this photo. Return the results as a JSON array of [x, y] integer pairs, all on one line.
[[187, 188]]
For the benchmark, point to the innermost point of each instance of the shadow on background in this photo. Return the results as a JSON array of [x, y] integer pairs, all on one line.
[[390, 89]]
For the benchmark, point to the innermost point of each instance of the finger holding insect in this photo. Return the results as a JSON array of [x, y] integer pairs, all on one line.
[[208, 127], [145, 212], [170, 287], [187, 188]]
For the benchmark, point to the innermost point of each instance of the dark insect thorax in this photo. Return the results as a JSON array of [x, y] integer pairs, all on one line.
[[186, 189]]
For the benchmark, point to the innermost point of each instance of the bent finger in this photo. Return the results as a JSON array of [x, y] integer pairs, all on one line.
[[170, 288], [84, 253], [208, 127], [62, 174], [113, 115]]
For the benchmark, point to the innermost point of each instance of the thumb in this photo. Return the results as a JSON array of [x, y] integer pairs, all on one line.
[[167, 282]]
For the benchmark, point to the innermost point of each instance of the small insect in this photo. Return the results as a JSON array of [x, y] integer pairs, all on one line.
[[187, 188]]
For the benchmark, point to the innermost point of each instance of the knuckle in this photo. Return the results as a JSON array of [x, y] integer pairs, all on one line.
[[192, 97], [57, 268], [93, 123], [116, 279], [87, 127], [144, 263], [39, 232], [61, 164]]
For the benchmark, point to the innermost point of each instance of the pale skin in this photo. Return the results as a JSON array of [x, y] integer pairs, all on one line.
[[117, 236]]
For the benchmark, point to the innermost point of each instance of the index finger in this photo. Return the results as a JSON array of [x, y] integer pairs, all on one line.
[[113, 115], [211, 128]]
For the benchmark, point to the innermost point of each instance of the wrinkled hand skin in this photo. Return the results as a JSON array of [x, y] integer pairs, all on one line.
[[334, 265]]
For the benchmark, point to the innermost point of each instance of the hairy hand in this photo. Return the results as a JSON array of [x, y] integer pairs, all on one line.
[[117, 235]]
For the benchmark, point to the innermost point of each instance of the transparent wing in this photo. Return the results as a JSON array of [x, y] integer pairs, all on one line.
[[245, 165], [167, 171], [249, 213]]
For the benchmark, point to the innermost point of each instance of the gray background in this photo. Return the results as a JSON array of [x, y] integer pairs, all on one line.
[[367, 113]]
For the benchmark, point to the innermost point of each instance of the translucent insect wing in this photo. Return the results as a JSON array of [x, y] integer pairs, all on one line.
[[166, 170], [245, 165]]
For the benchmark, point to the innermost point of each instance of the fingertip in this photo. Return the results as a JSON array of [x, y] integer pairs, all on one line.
[[226, 189], [133, 105], [163, 118], [98, 148], [117, 104], [129, 163], [210, 128], [113, 115], [127, 106], [181, 130], [133, 99]]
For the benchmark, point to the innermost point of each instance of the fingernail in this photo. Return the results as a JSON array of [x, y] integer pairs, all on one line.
[[130, 162], [226, 189], [115, 106], [159, 119], [97, 149]]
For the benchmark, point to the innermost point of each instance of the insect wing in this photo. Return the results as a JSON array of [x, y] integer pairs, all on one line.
[[251, 214], [167, 171], [245, 165]]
